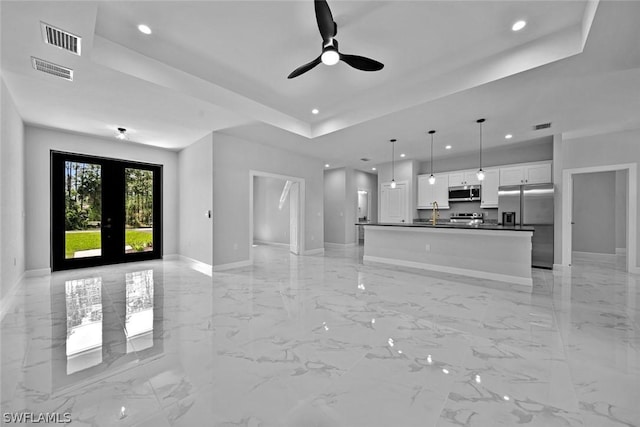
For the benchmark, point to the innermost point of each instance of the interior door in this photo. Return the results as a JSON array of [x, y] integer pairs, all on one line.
[[103, 211], [393, 203]]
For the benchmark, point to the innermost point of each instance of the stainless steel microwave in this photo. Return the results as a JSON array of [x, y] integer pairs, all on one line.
[[468, 193]]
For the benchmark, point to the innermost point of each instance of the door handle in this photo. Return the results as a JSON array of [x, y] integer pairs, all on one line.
[[572, 223]]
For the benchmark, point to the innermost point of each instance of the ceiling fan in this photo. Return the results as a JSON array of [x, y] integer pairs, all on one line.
[[330, 54]]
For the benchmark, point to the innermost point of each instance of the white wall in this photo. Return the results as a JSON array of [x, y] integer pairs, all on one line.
[[12, 194], [530, 151], [195, 178], [233, 159], [594, 199], [270, 222], [39, 143], [621, 209], [599, 150]]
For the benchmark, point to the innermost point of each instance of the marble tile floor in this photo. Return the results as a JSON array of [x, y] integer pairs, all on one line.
[[323, 341]]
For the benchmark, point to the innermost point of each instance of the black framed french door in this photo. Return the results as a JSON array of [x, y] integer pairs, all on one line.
[[104, 211]]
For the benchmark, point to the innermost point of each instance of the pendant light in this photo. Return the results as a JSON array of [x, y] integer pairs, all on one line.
[[480, 173], [122, 134], [393, 172], [432, 179]]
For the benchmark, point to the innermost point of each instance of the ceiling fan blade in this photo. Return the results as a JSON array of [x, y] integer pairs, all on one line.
[[362, 63], [326, 24], [306, 67]]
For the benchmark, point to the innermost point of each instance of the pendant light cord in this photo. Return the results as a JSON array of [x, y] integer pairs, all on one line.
[[480, 121], [393, 155], [431, 154], [480, 145]]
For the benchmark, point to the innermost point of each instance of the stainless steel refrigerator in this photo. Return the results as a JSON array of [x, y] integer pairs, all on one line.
[[533, 206]]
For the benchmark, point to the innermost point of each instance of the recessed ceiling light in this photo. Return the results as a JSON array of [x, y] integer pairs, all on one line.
[[144, 29], [327, 165], [315, 111], [448, 147], [519, 25], [508, 136], [373, 169], [402, 155]]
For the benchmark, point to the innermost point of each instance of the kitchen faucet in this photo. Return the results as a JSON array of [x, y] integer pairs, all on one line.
[[434, 214]]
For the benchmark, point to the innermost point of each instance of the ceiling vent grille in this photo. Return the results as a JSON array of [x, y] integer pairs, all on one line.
[[542, 126], [53, 69], [62, 39]]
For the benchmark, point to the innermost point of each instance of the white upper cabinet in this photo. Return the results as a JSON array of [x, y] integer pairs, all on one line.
[[437, 192], [537, 173], [489, 192], [471, 178], [457, 179], [512, 176]]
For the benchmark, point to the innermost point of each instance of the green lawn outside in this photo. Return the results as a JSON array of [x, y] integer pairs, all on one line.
[[85, 240]]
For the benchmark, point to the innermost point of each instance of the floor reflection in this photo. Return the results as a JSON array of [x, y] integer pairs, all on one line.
[[139, 320], [84, 323], [97, 342]]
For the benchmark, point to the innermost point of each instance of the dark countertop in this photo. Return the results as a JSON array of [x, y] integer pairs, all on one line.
[[484, 226]]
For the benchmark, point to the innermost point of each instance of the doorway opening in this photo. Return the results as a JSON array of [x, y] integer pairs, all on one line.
[[363, 212], [103, 211], [276, 211], [599, 215]]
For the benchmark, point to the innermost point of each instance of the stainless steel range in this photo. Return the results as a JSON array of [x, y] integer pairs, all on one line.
[[467, 218]]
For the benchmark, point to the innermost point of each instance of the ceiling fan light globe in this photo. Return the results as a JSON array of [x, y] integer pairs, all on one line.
[[330, 57]]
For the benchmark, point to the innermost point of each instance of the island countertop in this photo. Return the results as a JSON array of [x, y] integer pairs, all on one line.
[[456, 225]]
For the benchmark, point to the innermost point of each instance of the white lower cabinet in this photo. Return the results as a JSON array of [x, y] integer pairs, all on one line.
[[437, 192], [489, 192]]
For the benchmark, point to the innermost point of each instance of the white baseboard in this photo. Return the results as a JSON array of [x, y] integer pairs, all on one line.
[[339, 245], [38, 272], [229, 266], [264, 242], [595, 256], [561, 267], [170, 257], [318, 251], [8, 300], [200, 266], [452, 270], [621, 251]]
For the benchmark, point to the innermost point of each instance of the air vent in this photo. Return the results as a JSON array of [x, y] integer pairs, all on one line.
[[60, 38], [542, 126], [53, 69], [364, 159]]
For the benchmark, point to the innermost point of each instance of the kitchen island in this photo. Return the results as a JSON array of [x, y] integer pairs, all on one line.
[[487, 251]]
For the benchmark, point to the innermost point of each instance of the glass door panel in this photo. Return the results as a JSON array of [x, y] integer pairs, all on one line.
[[83, 209], [138, 210]]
